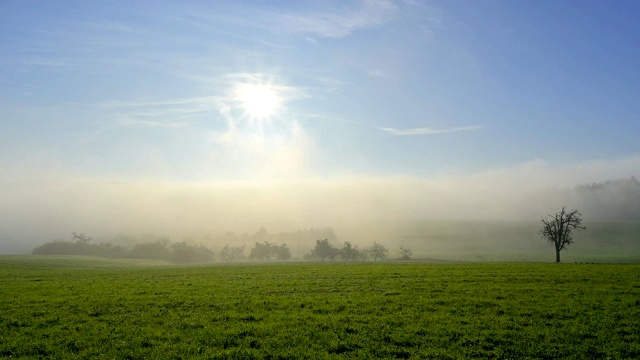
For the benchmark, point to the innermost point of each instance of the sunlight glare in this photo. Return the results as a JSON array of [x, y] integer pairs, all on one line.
[[259, 101]]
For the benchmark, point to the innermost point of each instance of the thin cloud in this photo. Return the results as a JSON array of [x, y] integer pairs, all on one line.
[[195, 103], [154, 124], [174, 113], [379, 73], [428, 131], [111, 26], [370, 14]]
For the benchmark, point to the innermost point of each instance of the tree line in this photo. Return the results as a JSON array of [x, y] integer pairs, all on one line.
[[162, 248], [325, 250], [557, 229]]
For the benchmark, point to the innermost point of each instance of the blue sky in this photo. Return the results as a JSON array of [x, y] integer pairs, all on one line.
[[149, 90], [197, 117]]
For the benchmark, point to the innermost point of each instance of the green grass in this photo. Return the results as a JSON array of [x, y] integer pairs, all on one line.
[[94, 308]]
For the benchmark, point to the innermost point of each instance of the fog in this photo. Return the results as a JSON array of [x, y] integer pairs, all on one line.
[[356, 207]]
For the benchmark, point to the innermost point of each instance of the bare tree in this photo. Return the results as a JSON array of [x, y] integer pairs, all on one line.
[[557, 229], [81, 238], [405, 252]]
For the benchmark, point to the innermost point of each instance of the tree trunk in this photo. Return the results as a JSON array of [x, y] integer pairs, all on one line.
[[557, 255]]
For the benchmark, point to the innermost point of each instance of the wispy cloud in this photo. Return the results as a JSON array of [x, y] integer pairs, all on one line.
[[222, 105], [111, 26], [149, 123], [165, 114], [191, 104], [379, 73], [428, 131], [333, 24]]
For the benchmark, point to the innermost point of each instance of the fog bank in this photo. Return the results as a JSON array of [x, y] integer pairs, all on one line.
[[34, 212]]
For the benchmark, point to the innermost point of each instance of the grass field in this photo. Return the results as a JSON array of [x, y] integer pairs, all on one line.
[[66, 307]]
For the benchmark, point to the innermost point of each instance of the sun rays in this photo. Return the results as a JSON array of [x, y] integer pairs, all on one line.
[[259, 102]]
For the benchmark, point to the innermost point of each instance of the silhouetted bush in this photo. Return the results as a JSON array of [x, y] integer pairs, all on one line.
[[58, 247], [184, 253], [159, 249]]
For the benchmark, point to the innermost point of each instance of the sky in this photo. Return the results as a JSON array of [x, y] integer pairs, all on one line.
[[287, 98]]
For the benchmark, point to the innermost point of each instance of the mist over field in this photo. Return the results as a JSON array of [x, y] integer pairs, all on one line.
[[444, 126], [391, 210]]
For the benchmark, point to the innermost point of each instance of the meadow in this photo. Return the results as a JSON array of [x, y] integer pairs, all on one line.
[[75, 307]]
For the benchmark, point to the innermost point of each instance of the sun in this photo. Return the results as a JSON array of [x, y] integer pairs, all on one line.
[[258, 101]]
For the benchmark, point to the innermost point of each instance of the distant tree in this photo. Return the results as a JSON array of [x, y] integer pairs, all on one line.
[[156, 249], [348, 252], [363, 255], [266, 251], [57, 247], [232, 253], [80, 247], [281, 252], [557, 229], [405, 252], [110, 251], [81, 238], [611, 200], [324, 250], [184, 253], [378, 251], [261, 251], [153, 248]]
